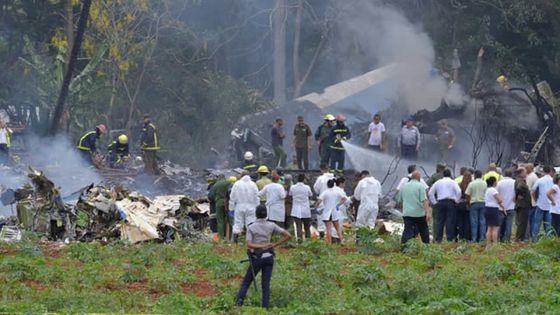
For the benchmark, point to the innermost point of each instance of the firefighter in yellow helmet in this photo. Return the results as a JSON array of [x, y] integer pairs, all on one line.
[[5, 142], [149, 145], [119, 152]]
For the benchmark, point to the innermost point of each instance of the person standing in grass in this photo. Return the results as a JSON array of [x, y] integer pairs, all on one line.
[[554, 196], [416, 209], [301, 210], [494, 204], [475, 198], [522, 204], [331, 199], [261, 255], [275, 195], [542, 214]]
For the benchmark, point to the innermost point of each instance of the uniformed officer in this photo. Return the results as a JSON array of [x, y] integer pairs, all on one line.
[[261, 254]]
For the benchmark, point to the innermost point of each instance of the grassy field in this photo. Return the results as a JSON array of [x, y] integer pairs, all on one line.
[[311, 278]]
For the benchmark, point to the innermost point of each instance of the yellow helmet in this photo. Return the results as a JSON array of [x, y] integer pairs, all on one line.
[[232, 179], [262, 169], [501, 79], [123, 139], [329, 117]]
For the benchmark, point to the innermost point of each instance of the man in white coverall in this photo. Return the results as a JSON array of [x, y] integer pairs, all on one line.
[[243, 201], [368, 192]]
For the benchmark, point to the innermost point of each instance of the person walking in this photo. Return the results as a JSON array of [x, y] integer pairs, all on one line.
[[542, 213], [302, 143], [376, 134], [277, 139], [531, 180], [149, 143], [243, 201], [493, 205], [506, 189], [409, 140], [463, 215], [445, 193], [368, 193], [5, 142], [416, 209], [261, 255], [339, 134], [331, 199], [275, 195], [554, 196], [301, 210], [523, 203], [445, 139], [475, 194], [323, 138]]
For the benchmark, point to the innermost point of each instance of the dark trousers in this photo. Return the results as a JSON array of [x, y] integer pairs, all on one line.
[[150, 162], [522, 221], [301, 225], [302, 157], [337, 159], [409, 152], [413, 226], [264, 264], [325, 153], [506, 225], [446, 217], [555, 222], [463, 222]]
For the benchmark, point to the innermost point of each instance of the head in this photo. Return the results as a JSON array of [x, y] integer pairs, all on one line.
[[508, 172], [443, 124], [123, 139], [232, 179], [409, 122], [329, 119], [477, 174], [330, 183], [147, 119], [467, 178], [248, 156], [301, 178], [491, 182], [2, 124], [440, 167], [245, 173], [340, 181], [411, 168], [447, 173], [261, 212], [300, 120], [262, 171], [288, 179], [547, 169], [364, 174], [274, 177], [521, 172], [492, 167], [324, 168], [416, 175], [530, 167], [340, 119], [462, 170], [377, 118], [101, 128], [279, 122]]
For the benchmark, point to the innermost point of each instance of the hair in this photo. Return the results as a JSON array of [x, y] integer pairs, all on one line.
[[478, 174], [376, 116], [340, 181], [547, 169], [519, 171], [462, 170], [274, 176], [508, 172], [330, 183], [300, 117], [324, 167], [261, 212], [245, 172], [301, 178], [492, 167], [446, 172], [467, 178], [411, 168], [491, 181], [364, 173], [279, 120]]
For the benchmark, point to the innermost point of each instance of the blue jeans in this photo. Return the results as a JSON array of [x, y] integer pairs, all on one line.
[[264, 264], [446, 217], [544, 217], [478, 222], [507, 223], [532, 212]]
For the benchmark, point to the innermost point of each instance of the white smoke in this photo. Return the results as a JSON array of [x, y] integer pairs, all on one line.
[[386, 36]]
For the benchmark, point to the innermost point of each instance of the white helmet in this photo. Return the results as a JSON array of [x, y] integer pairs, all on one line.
[[248, 156]]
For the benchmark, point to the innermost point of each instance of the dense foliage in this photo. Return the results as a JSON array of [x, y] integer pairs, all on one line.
[[312, 278]]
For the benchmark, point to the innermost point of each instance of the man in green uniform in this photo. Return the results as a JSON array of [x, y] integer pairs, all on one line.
[[220, 190], [322, 136]]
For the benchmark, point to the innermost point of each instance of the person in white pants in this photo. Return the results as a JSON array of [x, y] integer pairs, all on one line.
[[243, 201], [368, 192], [320, 186]]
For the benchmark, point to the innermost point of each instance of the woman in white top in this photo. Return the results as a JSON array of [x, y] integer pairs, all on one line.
[[275, 195], [331, 199], [301, 211], [494, 204], [554, 196]]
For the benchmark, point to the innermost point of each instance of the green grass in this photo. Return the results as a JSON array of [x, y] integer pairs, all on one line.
[[312, 278]]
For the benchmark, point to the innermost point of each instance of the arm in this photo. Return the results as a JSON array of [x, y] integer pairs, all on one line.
[[550, 194], [418, 140], [286, 236], [432, 194], [399, 139], [500, 201], [453, 139], [428, 209]]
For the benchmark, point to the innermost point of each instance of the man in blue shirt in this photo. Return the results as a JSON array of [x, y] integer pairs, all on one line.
[[542, 213]]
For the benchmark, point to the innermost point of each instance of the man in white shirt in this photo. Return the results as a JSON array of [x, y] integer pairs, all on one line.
[[320, 186], [446, 193], [531, 180], [368, 192], [406, 179], [542, 212], [275, 195], [506, 189], [243, 201], [376, 134]]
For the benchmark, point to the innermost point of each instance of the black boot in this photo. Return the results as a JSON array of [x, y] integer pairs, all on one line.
[[236, 238]]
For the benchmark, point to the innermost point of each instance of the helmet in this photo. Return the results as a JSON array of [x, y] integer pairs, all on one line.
[[340, 117], [232, 179], [501, 79], [329, 117], [123, 139], [262, 169], [102, 128], [248, 156]]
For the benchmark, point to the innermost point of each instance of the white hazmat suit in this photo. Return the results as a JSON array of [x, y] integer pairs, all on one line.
[[243, 200], [368, 192]]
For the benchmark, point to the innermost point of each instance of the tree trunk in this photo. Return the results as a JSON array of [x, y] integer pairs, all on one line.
[[279, 29], [59, 109], [69, 26]]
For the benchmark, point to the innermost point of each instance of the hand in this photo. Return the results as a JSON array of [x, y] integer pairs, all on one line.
[[450, 147], [428, 218]]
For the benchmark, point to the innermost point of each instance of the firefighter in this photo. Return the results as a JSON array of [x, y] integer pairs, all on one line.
[[249, 164], [87, 144], [5, 142], [339, 133], [119, 152], [322, 136], [149, 145]]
